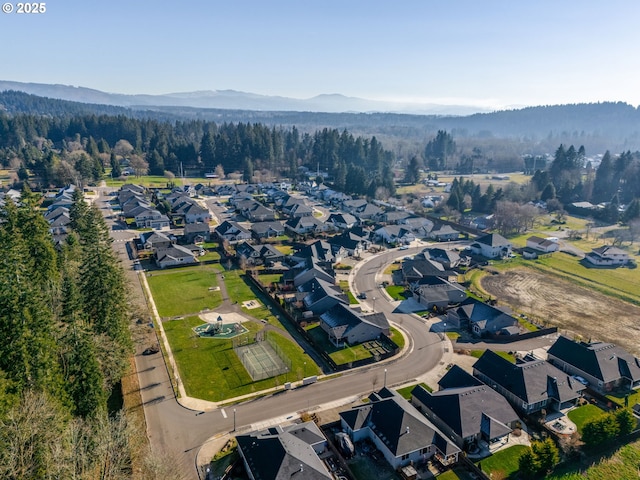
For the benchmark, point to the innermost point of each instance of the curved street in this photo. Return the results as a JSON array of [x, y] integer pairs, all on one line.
[[177, 432]]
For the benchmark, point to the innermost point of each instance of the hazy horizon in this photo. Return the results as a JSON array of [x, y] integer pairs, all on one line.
[[493, 54]]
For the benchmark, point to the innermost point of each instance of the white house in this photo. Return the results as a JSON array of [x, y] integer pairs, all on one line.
[[543, 245], [607, 257], [492, 245]]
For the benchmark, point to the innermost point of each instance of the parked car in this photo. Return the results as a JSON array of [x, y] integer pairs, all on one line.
[[404, 247], [362, 295]]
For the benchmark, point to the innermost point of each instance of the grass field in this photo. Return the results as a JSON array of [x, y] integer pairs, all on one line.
[[504, 463], [397, 292], [211, 370], [583, 414], [184, 291]]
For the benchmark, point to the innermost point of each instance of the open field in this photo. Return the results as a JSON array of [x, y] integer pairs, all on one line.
[[184, 291], [567, 305]]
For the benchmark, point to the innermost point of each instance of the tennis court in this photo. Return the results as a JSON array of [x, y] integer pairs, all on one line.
[[261, 360]]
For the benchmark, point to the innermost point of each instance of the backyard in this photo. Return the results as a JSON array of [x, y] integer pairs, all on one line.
[[583, 414], [503, 463]]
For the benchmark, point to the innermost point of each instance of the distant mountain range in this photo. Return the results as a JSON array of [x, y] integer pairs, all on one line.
[[235, 100]]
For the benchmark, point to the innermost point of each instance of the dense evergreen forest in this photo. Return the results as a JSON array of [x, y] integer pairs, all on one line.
[[72, 148], [64, 324]]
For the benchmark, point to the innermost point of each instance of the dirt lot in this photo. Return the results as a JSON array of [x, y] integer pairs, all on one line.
[[567, 306]]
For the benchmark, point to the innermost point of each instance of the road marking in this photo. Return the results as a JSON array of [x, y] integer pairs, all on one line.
[[224, 414]]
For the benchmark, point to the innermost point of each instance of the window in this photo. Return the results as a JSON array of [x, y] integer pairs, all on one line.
[[405, 456]]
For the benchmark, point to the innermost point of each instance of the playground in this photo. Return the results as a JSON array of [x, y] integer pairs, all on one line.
[[221, 325]]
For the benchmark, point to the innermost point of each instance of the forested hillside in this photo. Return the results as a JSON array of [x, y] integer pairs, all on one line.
[[64, 324]]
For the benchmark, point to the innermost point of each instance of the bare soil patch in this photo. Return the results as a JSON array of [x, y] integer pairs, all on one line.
[[585, 312]]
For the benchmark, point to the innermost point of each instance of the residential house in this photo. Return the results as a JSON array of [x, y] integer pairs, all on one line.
[[320, 295], [232, 232], [345, 325], [368, 212], [256, 212], [188, 209], [321, 251], [448, 258], [482, 320], [438, 293], [467, 413], [543, 245], [197, 232], [300, 210], [420, 268], [342, 221], [351, 242], [174, 255], [492, 245], [530, 384], [254, 255], [607, 256], [395, 234], [398, 430], [284, 453], [605, 366], [312, 269], [155, 240], [444, 233], [305, 225], [268, 229], [151, 218], [419, 225], [393, 216]]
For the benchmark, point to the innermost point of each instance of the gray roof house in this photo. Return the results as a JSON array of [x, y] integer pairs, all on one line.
[[398, 430], [437, 292], [342, 221], [196, 232], [321, 295], [530, 384], [284, 453], [467, 413], [345, 325], [605, 366], [444, 233], [155, 240], [174, 255], [267, 229], [607, 256], [258, 254], [482, 320], [305, 225], [492, 245], [313, 270], [232, 232]]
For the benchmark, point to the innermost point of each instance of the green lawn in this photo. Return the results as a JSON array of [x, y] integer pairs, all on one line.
[[269, 278], [505, 355], [211, 370], [344, 286], [582, 414], [405, 392], [397, 337], [341, 355], [504, 463], [284, 249], [397, 292], [184, 291], [619, 398]]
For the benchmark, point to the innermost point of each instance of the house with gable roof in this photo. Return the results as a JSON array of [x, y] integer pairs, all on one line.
[[174, 255], [492, 245], [398, 430], [530, 384], [466, 410], [345, 325], [232, 232], [284, 453], [320, 295], [482, 319], [607, 256], [605, 366]]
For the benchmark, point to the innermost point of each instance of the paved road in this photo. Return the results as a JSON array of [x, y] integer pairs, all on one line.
[[178, 433]]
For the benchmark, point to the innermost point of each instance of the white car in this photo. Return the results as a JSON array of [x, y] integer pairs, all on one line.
[[404, 247]]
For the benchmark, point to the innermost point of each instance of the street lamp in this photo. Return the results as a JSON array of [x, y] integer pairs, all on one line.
[[385, 378], [374, 303], [234, 419]]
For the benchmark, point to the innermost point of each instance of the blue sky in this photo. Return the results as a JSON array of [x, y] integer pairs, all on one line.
[[482, 52]]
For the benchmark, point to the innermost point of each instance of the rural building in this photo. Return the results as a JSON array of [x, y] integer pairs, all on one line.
[[543, 245], [607, 257]]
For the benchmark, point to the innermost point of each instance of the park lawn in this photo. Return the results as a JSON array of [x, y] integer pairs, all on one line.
[[503, 463], [405, 392], [211, 370], [184, 291], [157, 181], [340, 355], [397, 292], [583, 414]]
